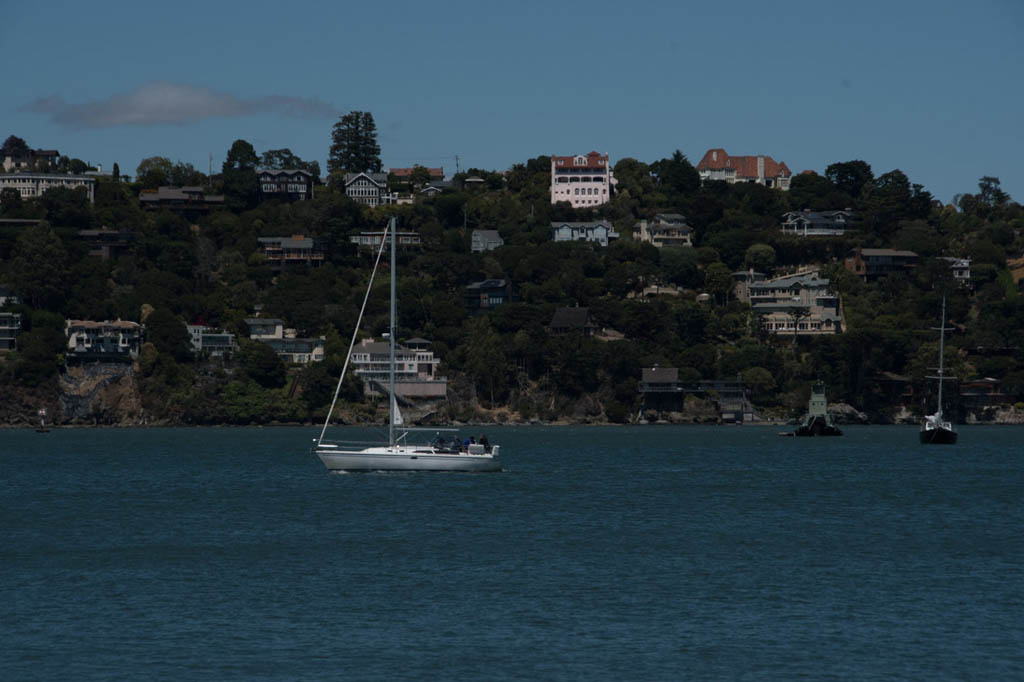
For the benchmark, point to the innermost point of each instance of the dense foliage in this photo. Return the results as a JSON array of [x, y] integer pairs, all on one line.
[[212, 271]]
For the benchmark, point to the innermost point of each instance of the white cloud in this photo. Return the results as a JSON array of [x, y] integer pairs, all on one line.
[[173, 103]]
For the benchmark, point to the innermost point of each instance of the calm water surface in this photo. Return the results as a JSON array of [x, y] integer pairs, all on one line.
[[601, 553]]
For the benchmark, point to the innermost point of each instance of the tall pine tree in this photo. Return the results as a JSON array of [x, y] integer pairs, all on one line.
[[354, 145]]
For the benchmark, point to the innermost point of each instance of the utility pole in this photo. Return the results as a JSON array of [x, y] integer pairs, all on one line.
[[456, 164]]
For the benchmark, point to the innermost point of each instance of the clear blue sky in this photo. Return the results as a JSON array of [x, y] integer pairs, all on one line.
[[933, 88]]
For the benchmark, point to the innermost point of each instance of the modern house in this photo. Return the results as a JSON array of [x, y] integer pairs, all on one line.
[[415, 369], [808, 223], [568, 321], [212, 342], [10, 327], [490, 293], [599, 231], [109, 341], [291, 184], [294, 250], [582, 180], [485, 240], [368, 188], [666, 229], [763, 170], [30, 185], [106, 243], [289, 348], [870, 264], [801, 304], [188, 202]]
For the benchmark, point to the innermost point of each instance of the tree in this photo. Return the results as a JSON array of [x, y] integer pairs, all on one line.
[[168, 334], [676, 175], [261, 363], [10, 201], [117, 172], [153, 172], [760, 257], [14, 146], [38, 266], [851, 177], [354, 145], [718, 280], [184, 175], [238, 171], [419, 176]]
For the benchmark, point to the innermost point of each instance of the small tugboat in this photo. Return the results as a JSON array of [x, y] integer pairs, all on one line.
[[817, 421]]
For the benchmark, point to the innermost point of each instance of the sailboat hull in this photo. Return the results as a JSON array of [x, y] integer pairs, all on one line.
[[406, 459], [938, 436]]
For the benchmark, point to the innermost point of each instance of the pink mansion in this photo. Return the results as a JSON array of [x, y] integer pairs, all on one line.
[[581, 180]]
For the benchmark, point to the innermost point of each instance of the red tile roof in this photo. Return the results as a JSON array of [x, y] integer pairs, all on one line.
[[594, 160], [406, 172], [745, 166]]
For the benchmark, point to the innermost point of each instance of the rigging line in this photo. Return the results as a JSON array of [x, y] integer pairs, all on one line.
[[355, 332]]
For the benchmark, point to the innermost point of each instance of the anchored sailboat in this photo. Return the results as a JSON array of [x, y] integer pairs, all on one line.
[[398, 454], [935, 430]]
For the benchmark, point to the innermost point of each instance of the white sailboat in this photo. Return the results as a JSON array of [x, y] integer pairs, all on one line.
[[935, 430], [398, 454]]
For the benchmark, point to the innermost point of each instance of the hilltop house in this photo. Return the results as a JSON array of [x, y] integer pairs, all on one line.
[[109, 341], [368, 188], [188, 202], [763, 170], [599, 231], [293, 184], [808, 223], [583, 181], [667, 229], [31, 185], [490, 293], [870, 264], [485, 240], [800, 304], [212, 342], [32, 160], [372, 240], [294, 250], [567, 321], [415, 369]]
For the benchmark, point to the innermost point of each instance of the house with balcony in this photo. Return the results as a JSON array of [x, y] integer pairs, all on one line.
[[368, 188], [416, 369], [10, 327], [870, 264], [488, 294], [211, 342], [291, 349], [294, 250], [32, 185], [108, 341], [105, 243], [372, 240], [960, 269], [808, 223], [485, 240], [188, 202], [763, 170], [287, 184], [598, 232], [666, 229], [584, 180], [802, 304]]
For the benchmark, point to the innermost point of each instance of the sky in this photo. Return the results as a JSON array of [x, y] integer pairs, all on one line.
[[933, 88]]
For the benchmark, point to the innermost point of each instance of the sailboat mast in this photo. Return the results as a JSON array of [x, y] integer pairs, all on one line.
[[392, 401], [942, 355]]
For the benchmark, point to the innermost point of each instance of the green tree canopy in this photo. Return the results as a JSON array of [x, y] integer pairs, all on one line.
[[354, 145], [238, 172], [153, 172]]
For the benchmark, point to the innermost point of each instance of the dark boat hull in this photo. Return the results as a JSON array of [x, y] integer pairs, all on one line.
[[818, 427], [938, 437]]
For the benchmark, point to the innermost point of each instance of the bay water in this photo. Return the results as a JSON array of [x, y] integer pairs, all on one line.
[[600, 553]]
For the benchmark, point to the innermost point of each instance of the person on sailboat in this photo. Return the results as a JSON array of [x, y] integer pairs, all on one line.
[[486, 443]]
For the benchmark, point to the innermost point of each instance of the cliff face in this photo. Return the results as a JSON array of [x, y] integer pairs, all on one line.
[[102, 394]]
